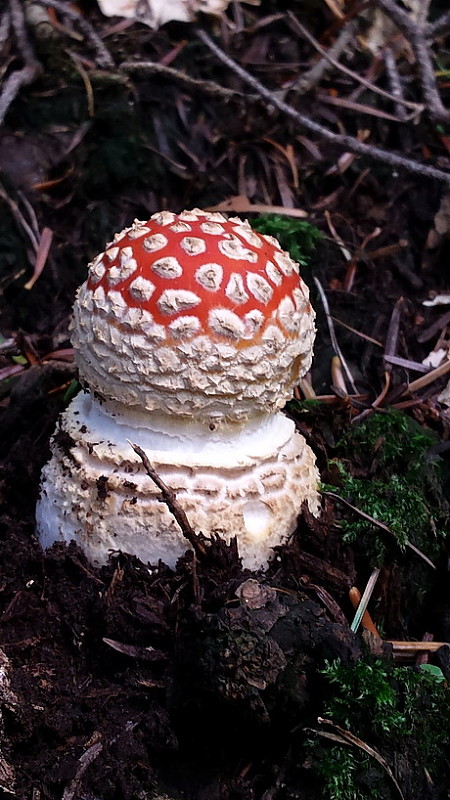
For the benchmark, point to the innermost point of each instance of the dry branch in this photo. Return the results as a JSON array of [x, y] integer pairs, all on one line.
[[103, 56], [169, 497], [313, 76], [417, 33], [359, 78], [440, 26], [347, 143], [210, 87], [30, 70], [5, 25]]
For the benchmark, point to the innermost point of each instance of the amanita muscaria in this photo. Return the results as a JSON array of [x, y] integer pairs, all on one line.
[[189, 334]]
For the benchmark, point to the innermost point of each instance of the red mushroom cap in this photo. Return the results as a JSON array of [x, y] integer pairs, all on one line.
[[182, 297]]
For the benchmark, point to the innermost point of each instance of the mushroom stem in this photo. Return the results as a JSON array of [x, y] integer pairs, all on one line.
[[244, 479]]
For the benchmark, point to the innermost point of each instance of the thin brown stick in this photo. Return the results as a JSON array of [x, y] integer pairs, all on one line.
[[313, 76], [377, 523], [333, 337], [210, 87], [358, 333], [432, 376], [343, 102], [342, 140], [416, 33], [5, 25], [364, 601], [415, 647], [358, 78], [30, 70], [395, 83], [438, 27], [392, 335], [346, 737], [83, 763], [104, 57], [169, 497], [425, 69], [17, 214]]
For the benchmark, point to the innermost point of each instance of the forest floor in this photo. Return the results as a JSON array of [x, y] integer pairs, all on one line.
[[208, 682]]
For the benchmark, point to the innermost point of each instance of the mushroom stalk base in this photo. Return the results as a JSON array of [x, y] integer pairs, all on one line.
[[245, 479]]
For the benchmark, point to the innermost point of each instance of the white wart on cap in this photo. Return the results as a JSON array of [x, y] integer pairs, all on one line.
[[194, 314]]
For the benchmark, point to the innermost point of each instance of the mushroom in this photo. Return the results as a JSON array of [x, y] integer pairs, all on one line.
[[189, 334]]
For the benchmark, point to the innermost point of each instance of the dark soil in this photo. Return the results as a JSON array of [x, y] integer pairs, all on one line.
[[134, 681]]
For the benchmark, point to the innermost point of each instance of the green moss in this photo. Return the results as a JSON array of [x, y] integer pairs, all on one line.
[[385, 468], [296, 236], [395, 440], [401, 712], [391, 500]]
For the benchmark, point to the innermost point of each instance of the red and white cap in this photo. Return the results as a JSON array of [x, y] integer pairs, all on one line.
[[195, 315]]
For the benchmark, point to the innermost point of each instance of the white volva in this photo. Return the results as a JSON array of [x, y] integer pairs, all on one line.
[[244, 479], [189, 335]]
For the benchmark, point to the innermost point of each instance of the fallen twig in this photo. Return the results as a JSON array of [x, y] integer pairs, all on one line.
[[210, 87], [356, 332], [168, 496], [359, 78], [438, 27], [333, 338], [31, 68], [41, 256], [432, 376], [377, 523], [342, 140], [343, 102], [364, 601], [83, 763], [313, 76], [416, 647], [5, 25], [395, 83], [416, 31], [366, 620], [347, 738], [416, 366], [104, 57]]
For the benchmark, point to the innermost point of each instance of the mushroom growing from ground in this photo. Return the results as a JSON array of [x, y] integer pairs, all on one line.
[[189, 334]]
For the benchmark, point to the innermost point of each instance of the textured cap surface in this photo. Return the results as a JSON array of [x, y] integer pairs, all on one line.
[[194, 314], [247, 481]]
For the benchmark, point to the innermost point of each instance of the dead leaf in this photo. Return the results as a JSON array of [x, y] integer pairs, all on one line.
[[155, 13], [241, 204], [135, 651]]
